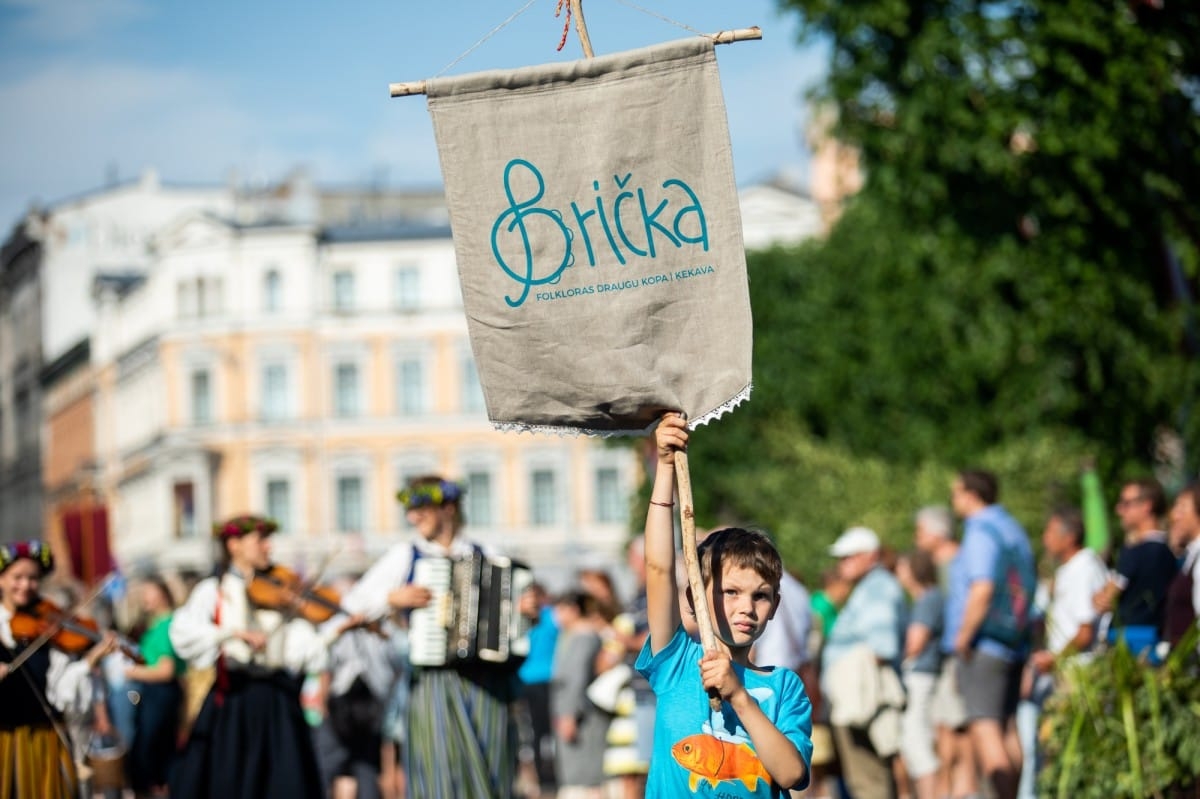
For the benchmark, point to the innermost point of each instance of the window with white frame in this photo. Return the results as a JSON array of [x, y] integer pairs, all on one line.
[[343, 290], [349, 501], [276, 402], [278, 491], [478, 501], [200, 390], [410, 386], [346, 400], [407, 288], [272, 291], [472, 390], [609, 506], [543, 499]]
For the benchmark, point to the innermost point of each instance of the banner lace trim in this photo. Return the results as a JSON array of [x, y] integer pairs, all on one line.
[[561, 430]]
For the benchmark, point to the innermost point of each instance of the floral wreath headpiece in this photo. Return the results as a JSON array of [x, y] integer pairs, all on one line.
[[238, 526], [36, 551], [439, 493]]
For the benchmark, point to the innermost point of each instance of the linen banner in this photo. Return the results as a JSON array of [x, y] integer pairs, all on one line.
[[598, 238]]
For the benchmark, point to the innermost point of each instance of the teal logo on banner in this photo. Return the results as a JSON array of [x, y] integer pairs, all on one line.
[[624, 219]]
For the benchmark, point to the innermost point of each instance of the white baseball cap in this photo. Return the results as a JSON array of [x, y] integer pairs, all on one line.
[[855, 541]]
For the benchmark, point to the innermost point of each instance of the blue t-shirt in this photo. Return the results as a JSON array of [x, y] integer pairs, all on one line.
[[700, 752], [976, 560], [539, 664]]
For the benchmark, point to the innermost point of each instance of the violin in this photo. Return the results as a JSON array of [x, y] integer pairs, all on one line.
[[67, 633], [280, 588]]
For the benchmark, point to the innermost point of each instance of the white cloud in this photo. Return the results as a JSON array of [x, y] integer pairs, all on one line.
[[71, 20]]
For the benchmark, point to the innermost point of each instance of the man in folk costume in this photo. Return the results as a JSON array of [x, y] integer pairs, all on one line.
[[250, 740], [35, 755], [460, 741]]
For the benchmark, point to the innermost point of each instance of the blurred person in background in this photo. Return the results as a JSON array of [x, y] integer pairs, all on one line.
[[160, 693], [864, 648], [1136, 591], [1183, 595], [922, 664], [580, 727], [358, 684], [536, 754], [393, 780], [824, 605], [631, 731], [785, 643], [957, 775], [1070, 620], [988, 605], [786, 640]]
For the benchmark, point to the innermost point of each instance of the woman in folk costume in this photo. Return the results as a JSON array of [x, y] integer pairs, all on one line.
[[250, 740], [35, 755], [460, 739]]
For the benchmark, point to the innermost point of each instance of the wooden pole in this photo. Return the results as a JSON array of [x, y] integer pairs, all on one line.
[[581, 28], [411, 88], [687, 519]]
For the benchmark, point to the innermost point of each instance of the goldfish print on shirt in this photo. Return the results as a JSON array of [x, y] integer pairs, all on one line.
[[709, 758]]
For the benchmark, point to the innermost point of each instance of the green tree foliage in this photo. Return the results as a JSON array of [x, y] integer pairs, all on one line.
[[1033, 172]]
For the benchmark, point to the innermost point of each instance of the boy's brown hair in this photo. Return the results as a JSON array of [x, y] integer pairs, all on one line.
[[748, 549]]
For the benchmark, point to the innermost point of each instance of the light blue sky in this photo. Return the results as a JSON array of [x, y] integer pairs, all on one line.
[[206, 88]]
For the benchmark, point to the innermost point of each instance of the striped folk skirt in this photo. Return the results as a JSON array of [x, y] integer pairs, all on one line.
[[461, 742], [35, 762]]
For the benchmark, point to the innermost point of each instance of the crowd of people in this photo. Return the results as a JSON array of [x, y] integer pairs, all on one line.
[[937, 663], [918, 673]]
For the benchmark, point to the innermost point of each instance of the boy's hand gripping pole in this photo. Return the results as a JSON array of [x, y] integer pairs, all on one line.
[[687, 519]]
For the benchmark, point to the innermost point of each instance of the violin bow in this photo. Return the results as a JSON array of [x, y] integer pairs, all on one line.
[[52, 629]]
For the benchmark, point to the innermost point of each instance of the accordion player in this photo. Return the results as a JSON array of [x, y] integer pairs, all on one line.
[[474, 613]]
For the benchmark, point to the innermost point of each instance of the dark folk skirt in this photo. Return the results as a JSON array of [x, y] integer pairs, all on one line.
[[250, 741]]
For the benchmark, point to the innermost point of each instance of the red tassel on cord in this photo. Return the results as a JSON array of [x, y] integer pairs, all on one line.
[[566, 25]]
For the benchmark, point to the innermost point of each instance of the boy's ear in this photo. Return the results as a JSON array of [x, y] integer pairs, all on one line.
[[774, 605], [691, 601]]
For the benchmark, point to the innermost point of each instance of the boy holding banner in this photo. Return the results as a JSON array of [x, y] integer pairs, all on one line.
[[759, 743]]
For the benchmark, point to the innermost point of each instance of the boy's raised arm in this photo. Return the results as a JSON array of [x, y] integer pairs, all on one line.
[[662, 597]]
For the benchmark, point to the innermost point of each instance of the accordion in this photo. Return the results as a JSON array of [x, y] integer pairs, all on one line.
[[474, 613]]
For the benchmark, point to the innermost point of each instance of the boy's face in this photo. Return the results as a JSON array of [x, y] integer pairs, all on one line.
[[742, 604]]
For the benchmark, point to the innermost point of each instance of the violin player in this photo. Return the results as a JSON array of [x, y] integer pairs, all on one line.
[[250, 740], [46, 681]]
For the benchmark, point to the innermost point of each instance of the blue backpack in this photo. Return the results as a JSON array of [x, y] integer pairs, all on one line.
[[1010, 614]]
